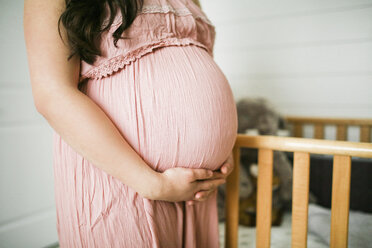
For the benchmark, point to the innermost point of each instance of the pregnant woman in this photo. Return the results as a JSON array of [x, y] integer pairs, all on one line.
[[144, 121]]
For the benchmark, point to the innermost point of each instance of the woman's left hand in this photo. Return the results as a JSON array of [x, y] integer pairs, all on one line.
[[225, 170]]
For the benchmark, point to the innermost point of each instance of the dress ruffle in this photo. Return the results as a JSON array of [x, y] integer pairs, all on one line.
[[157, 25], [114, 64]]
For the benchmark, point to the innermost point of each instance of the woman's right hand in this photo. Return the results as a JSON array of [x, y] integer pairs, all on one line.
[[180, 184]]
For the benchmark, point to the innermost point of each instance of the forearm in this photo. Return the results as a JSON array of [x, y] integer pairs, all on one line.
[[87, 129]]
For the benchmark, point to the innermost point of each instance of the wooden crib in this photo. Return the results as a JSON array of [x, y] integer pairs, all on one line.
[[341, 126], [342, 152]]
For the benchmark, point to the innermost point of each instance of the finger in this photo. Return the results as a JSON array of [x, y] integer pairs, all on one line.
[[191, 202], [200, 174], [210, 184], [226, 168], [203, 195], [217, 175]]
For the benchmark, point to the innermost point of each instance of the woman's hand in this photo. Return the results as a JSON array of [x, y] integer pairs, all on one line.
[[180, 184], [226, 168]]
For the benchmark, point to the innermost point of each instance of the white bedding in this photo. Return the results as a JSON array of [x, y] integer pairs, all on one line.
[[360, 225]]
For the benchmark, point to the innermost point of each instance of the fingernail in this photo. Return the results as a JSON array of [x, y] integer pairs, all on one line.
[[197, 196]]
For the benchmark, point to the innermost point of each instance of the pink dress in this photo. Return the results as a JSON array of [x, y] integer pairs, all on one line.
[[174, 106]]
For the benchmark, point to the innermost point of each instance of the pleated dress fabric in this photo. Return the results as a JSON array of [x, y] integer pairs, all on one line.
[[174, 106]]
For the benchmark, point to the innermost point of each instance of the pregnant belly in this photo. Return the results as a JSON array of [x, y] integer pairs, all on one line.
[[174, 106]]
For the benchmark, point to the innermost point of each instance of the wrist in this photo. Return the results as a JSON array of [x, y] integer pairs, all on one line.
[[153, 186]]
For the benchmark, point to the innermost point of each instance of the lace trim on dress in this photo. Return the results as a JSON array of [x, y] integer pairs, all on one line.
[[114, 64]]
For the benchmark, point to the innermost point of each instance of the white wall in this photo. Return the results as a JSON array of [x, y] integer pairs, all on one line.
[[27, 210], [309, 57]]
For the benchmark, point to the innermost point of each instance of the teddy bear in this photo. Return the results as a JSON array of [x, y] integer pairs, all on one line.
[[257, 116]]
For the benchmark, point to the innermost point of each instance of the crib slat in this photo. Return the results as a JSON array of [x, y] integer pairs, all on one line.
[[365, 133], [341, 132], [297, 130], [340, 201], [232, 203], [264, 197], [319, 131], [300, 196]]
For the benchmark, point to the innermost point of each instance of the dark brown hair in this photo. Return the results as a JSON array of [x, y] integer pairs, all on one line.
[[83, 21]]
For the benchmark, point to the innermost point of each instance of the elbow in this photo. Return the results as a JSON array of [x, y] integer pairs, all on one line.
[[49, 98], [41, 104], [42, 100]]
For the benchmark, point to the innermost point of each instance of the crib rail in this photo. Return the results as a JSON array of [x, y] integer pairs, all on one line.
[[342, 152], [342, 125]]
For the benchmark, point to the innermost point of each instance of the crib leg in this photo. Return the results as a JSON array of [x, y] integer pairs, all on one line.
[[264, 197], [340, 201]]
